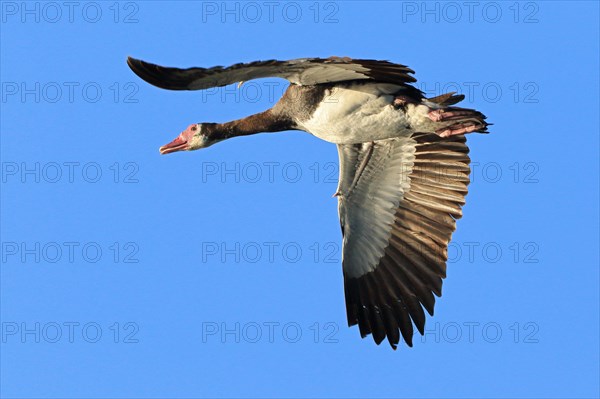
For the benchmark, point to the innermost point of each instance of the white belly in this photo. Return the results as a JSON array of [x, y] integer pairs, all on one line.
[[357, 114]]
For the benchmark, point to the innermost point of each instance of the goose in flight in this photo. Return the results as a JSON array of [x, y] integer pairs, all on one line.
[[404, 171]]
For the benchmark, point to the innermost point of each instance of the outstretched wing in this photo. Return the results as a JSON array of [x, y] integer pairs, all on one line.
[[303, 71], [399, 200]]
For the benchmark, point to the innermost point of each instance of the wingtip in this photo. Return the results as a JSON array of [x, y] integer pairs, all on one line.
[[135, 66], [131, 62]]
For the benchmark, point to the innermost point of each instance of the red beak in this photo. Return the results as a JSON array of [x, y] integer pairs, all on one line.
[[179, 144]]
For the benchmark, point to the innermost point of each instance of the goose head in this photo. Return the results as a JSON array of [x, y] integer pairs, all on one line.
[[196, 136]]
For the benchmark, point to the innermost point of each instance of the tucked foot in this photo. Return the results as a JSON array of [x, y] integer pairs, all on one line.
[[458, 128], [437, 115], [455, 120]]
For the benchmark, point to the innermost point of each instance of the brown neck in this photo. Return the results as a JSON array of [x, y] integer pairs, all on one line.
[[265, 121]]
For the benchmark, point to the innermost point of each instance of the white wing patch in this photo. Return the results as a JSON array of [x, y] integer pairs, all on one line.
[[373, 180]]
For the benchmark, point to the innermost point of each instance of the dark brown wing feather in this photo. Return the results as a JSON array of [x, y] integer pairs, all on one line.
[[404, 282], [304, 71]]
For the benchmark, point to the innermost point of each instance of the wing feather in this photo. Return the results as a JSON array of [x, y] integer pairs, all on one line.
[[388, 286], [302, 71]]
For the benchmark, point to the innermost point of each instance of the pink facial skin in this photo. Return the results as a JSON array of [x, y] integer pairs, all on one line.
[[181, 142]]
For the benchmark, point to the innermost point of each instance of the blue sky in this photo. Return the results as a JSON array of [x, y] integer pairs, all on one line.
[[217, 273]]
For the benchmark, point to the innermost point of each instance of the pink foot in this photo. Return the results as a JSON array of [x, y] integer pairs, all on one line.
[[440, 115], [457, 129], [454, 120]]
